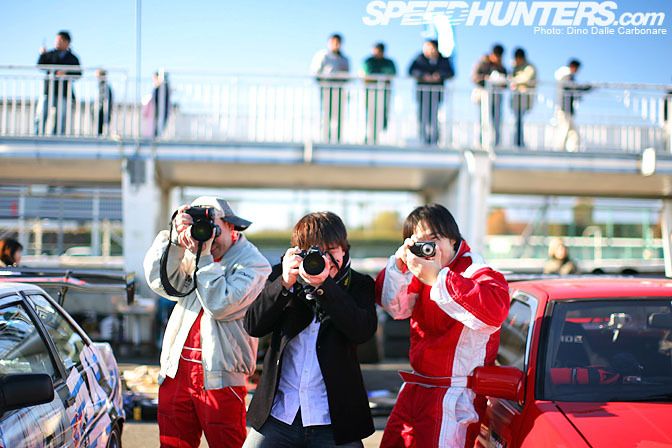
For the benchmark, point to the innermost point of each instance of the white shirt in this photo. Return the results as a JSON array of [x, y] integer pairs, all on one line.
[[301, 382]]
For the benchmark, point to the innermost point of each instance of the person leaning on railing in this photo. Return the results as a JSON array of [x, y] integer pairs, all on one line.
[[430, 70], [523, 83], [58, 87], [331, 68], [377, 71]]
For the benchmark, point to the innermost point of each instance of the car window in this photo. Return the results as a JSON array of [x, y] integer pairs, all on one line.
[[609, 350], [69, 343], [22, 349], [513, 337]]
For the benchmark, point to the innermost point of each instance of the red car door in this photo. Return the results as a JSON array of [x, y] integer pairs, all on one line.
[[504, 418]]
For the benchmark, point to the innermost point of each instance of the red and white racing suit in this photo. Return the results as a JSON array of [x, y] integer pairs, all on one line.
[[454, 329]]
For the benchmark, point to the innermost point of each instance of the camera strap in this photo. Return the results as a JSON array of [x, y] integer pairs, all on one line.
[[163, 269]]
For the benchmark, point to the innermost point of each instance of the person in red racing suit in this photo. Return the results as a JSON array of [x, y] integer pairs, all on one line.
[[456, 304]]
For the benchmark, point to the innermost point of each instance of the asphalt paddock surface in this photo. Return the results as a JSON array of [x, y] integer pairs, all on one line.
[[381, 380]]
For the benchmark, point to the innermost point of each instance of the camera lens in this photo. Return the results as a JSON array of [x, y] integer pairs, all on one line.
[[428, 249], [201, 231], [313, 263]]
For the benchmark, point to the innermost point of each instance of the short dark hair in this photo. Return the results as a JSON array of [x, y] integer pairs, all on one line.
[[574, 63], [8, 249], [519, 53], [437, 218], [434, 42], [380, 46], [65, 35], [323, 229], [497, 49], [336, 36]]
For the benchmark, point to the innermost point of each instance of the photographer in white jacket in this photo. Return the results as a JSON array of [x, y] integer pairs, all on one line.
[[206, 354]]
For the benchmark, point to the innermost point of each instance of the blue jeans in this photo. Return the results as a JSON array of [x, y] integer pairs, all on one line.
[[276, 434]]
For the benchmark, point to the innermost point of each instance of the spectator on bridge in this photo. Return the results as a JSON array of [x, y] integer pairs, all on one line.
[[331, 68], [311, 391], [206, 355], [160, 102], [456, 304], [569, 92], [59, 95], [489, 75], [558, 259], [10, 252], [378, 72], [430, 70], [104, 103], [523, 84]]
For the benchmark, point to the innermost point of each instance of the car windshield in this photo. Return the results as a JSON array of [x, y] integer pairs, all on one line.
[[609, 350]]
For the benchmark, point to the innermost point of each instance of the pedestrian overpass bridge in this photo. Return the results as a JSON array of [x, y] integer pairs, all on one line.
[[227, 132]]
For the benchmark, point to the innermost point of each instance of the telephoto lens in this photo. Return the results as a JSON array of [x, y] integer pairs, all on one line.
[[313, 263]]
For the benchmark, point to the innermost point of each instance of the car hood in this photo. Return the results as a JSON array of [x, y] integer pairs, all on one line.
[[639, 425]]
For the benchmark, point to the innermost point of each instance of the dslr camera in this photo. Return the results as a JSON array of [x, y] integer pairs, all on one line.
[[424, 249], [204, 223], [312, 263]]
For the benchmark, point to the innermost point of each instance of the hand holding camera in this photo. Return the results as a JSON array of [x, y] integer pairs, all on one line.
[[290, 267], [423, 259], [196, 225]]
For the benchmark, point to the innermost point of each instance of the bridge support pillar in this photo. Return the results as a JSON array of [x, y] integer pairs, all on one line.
[[467, 197], [143, 203]]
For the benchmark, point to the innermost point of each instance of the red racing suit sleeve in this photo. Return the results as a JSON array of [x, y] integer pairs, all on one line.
[[392, 292], [478, 298]]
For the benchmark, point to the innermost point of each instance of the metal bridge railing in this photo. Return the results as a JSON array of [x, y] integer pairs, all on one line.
[[196, 107]]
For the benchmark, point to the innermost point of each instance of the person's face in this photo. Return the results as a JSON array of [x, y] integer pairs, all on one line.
[[496, 58], [17, 257], [445, 245], [337, 253], [224, 241], [156, 80], [573, 69], [518, 61], [377, 53], [61, 44], [429, 50], [560, 252], [334, 45]]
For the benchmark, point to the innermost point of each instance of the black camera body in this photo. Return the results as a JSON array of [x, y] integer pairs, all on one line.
[[424, 249], [204, 223], [312, 263]]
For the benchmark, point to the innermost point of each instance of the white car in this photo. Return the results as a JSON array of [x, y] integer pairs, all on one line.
[[57, 387]]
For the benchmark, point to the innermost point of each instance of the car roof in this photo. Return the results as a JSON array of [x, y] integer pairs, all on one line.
[[595, 287], [12, 287]]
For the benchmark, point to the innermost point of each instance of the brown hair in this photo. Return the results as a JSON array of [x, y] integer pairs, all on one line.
[[323, 229], [8, 249]]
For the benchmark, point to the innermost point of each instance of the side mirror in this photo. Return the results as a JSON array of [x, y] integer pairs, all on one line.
[[23, 390], [499, 382]]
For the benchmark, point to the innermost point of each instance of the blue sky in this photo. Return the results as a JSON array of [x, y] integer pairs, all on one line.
[[281, 37]]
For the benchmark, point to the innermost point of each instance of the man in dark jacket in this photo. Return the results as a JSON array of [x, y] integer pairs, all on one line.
[[311, 391], [58, 91], [430, 70]]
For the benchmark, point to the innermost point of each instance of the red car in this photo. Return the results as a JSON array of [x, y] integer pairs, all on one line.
[[583, 362]]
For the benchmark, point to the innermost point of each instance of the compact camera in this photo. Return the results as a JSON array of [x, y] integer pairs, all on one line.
[[204, 223], [424, 249], [312, 263]]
